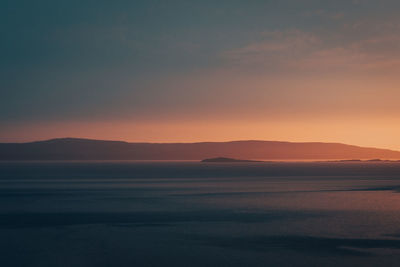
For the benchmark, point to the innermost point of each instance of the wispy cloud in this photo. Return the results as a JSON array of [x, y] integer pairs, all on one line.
[[324, 14], [276, 47], [295, 49]]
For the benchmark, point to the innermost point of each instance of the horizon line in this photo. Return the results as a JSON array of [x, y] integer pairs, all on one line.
[[199, 142]]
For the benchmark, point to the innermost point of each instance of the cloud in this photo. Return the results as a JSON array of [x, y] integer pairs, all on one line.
[[298, 50], [324, 14], [277, 47]]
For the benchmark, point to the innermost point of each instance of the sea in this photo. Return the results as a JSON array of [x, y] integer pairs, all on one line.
[[186, 213]]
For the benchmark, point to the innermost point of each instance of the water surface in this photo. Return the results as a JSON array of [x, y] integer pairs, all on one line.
[[199, 214]]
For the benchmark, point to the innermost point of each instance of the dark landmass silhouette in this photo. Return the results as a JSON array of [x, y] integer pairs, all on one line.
[[368, 160], [87, 149], [228, 160]]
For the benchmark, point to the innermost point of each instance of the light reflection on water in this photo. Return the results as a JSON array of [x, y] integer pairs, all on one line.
[[196, 214]]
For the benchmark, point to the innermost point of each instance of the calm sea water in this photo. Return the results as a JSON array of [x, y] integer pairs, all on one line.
[[198, 214]]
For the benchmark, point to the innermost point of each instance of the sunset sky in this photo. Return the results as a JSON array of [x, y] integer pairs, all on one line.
[[183, 71]]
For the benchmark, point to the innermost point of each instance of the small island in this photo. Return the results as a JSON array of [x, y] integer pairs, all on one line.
[[364, 161], [227, 160]]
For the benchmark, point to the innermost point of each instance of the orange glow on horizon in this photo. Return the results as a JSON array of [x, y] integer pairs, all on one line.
[[371, 133]]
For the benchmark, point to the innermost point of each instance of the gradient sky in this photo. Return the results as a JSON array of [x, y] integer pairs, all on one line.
[[167, 71]]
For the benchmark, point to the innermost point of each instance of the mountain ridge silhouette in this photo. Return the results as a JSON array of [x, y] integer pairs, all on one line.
[[92, 149]]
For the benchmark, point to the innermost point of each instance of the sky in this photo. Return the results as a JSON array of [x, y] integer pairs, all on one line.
[[188, 71]]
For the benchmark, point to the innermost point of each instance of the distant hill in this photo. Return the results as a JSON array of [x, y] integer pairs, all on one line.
[[228, 160], [86, 149]]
